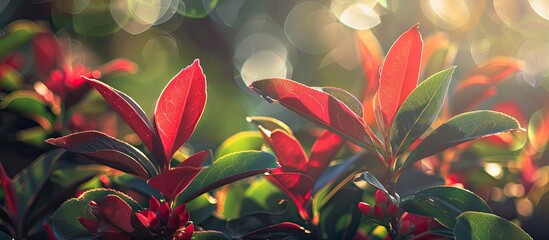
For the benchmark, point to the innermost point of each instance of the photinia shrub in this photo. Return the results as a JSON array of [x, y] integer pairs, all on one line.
[[404, 112], [177, 112]]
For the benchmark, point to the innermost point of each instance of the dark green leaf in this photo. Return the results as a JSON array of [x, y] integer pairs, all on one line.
[[5, 236], [340, 170], [444, 203], [29, 182], [201, 208], [227, 169], [247, 140], [107, 150], [419, 110], [136, 184], [209, 235], [30, 105], [340, 217], [462, 128], [65, 222], [371, 179], [345, 97], [486, 226]]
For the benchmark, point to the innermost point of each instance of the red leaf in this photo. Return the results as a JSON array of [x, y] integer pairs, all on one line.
[[297, 186], [174, 181], [116, 211], [118, 65], [496, 69], [179, 108], [323, 151], [371, 56], [287, 149], [130, 111], [399, 74], [46, 53], [107, 150], [196, 160], [319, 107], [9, 192]]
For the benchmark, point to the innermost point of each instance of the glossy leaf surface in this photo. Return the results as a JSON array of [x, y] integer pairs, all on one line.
[[399, 73], [444, 203], [346, 98], [319, 107], [419, 110], [65, 220], [128, 110], [107, 150], [247, 140], [179, 108], [174, 181], [462, 128], [478, 225], [227, 169]]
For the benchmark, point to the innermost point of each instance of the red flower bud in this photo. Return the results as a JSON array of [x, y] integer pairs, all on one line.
[[143, 219], [154, 204], [184, 218], [89, 224], [179, 210], [380, 197], [378, 213], [188, 232], [405, 228], [173, 222], [364, 208], [392, 210], [164, 210]]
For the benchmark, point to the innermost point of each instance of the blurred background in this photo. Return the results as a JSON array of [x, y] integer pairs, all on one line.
[[313, 42], [239, 41]]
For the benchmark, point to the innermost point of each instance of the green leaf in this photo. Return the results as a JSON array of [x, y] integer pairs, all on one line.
[[29, 182], [197, 8], [371, 179], [247, 140], [419, 110], [486, 226], [269, 123], [201, 208], [462, 128], [444, 203], [263, 195], [5, 236], [209, 235], [28, 104], [136, 184], [340, 217], [345, 97], [227, 169], [65, 222], [229, 200]]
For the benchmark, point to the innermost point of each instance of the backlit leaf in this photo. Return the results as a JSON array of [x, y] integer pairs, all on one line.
[[462, 128], [419, 110], [247, 140], [346, 98], [287, 149], [209, 235], [324, 150], [227, 169], [444, 203], [399, 73], [179, 108], [107, 150], [479, 225], [319, 107], [128, 110], [269, 123], [297, 186], [29, 104], [116, 211], [174, 181]]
